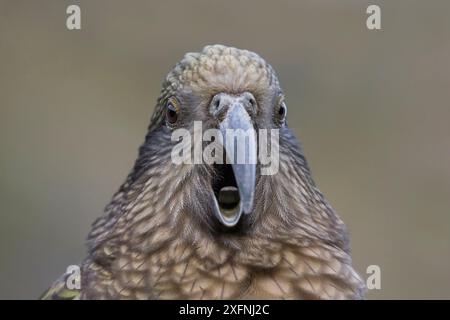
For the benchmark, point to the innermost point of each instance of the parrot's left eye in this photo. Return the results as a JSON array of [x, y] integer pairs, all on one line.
[[281, 112]]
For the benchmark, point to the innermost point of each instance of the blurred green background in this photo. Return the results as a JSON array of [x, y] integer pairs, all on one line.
[[371, 108]]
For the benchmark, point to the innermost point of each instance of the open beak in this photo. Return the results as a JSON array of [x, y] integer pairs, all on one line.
[[234, 187]]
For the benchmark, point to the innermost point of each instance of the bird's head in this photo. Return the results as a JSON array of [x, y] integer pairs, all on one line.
[[235, 93]]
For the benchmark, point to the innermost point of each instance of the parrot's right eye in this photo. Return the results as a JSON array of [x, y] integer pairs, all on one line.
[[172, 111]]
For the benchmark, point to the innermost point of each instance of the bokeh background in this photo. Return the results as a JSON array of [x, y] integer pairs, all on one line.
[[371, 108]]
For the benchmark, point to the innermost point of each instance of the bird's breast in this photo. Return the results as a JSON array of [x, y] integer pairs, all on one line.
[[192, 272]]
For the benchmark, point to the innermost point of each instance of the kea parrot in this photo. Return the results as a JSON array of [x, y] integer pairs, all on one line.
[[197, 230]]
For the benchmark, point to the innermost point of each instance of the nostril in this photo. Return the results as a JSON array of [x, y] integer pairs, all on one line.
[[217, 103]]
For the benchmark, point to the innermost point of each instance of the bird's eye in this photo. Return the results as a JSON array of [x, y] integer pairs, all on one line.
[[171, 112], [282, 110], [281, 113]]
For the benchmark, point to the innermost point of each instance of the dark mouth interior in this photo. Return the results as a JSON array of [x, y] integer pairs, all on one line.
[[226, 190]]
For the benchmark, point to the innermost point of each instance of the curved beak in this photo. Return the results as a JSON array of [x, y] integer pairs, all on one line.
[[240, 144]]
